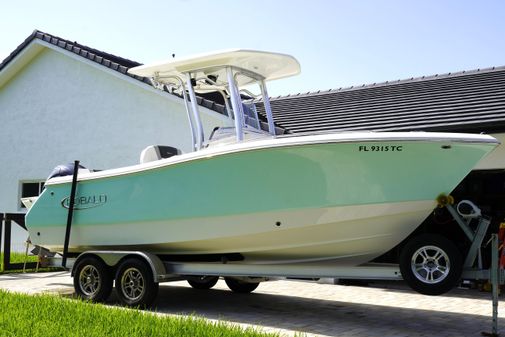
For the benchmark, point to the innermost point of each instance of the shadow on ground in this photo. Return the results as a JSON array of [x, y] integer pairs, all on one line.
[[316, 316]]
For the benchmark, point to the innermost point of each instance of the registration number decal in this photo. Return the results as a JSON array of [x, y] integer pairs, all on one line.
[[380, 148]]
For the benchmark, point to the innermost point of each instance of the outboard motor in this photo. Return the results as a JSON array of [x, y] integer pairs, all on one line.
[[63, 170]]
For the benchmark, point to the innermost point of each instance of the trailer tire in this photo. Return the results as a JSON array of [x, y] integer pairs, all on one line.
[[203, 282], [135, 284], [92, 279], [238, 286], [431, 264]]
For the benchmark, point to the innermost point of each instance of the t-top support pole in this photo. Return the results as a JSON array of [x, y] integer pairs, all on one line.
[[236, 104], [194, 106], [268, 109]]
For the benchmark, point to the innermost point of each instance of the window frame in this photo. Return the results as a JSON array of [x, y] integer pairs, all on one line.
[[40, 183]]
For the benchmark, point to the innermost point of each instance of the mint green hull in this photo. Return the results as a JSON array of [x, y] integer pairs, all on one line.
[[221, 202]]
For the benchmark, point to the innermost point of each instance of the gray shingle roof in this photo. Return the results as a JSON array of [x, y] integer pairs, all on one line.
[[113, 62], [108, 60], [472, 101]]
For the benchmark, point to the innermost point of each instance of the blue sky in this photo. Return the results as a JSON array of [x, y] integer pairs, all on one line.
[[338, 43]]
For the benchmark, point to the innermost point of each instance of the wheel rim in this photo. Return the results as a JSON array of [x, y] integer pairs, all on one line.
[[90, 280], [430, 264], [132, 284]]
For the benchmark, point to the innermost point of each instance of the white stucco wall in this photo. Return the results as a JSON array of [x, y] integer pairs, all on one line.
[[59, 108]]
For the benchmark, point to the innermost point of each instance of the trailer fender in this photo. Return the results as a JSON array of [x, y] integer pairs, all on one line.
[[112, 258]]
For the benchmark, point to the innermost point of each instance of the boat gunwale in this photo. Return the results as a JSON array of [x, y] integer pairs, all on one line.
[[277, 142]]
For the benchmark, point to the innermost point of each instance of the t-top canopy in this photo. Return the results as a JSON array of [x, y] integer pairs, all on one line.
[[269, 66]]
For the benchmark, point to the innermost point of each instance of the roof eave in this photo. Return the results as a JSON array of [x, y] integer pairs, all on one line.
[[20, 60]]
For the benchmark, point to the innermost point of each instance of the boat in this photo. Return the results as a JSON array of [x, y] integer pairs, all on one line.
[[248, 193]]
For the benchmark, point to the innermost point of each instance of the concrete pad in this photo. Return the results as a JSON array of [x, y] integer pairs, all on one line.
[[37, 283], [383, 309]]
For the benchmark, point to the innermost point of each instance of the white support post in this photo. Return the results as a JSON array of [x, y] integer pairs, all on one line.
[[190, 120], [196, 114], [236, 104], [495, 282], [268, 110]]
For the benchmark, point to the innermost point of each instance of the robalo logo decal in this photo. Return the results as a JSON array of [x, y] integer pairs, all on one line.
[[85, 202]]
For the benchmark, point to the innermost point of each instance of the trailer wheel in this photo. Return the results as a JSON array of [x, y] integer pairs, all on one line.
[[203, 282], [135, 283], [431, 264], [92, 279], [239, 286]]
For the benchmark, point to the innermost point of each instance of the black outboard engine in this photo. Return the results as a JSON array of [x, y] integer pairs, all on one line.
[[63, 170]]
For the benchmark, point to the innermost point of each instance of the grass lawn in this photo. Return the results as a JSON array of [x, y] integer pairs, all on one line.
[[16, 258], [47, 315]]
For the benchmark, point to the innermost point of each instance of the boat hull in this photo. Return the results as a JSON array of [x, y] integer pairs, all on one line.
[[360, 234], [333, 199]]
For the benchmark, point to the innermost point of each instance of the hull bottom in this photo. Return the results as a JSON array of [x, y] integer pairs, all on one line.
[[346, 235]]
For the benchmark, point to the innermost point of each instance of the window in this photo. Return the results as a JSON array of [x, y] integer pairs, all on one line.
[[30, 189]]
